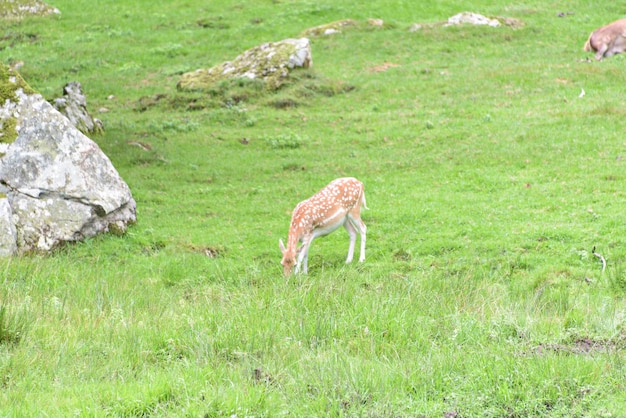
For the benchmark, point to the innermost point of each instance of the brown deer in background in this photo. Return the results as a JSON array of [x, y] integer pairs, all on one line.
[[608, 40]]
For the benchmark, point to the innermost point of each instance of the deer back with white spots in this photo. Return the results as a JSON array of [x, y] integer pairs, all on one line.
[[335, 205]]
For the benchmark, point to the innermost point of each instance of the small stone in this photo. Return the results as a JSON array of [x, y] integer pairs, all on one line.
[[73, 105], [473, 19]]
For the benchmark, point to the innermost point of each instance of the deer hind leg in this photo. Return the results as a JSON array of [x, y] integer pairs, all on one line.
[[352, 232], [616, 47], [600, 53], [354, 217]]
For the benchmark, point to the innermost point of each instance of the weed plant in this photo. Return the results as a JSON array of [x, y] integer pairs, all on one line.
[[493, 161]]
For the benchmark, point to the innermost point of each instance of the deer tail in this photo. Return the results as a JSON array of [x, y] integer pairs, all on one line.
[[363, 204]]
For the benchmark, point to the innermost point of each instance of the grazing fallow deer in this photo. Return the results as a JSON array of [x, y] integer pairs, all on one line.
[[337, 204], [608, 40]]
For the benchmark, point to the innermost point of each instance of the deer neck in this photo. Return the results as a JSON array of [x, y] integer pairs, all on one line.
[[295, 235]]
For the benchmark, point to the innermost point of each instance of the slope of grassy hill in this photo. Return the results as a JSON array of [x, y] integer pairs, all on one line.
[[493, 163]]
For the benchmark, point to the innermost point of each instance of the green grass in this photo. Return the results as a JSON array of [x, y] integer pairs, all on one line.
[[489, 182]]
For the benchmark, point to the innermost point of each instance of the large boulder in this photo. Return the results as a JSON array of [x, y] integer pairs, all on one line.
[[56, 185], [270, 62]]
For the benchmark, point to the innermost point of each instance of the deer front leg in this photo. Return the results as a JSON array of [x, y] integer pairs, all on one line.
[[305, 268], [303, 255]]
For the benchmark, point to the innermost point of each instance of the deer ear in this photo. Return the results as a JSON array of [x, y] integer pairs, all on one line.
[[281, 245]]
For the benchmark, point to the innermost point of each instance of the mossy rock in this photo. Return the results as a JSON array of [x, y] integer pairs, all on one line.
[[271, 62], [18, 9], [329, 28], [10, 82]]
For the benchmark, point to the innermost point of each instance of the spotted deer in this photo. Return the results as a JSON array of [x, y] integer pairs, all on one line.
[[608, 40], [335, 205]]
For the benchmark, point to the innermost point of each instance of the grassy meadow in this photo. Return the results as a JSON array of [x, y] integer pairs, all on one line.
[[494, 166]]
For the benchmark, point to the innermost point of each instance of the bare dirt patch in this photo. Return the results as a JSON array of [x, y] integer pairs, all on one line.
[[584, 346]]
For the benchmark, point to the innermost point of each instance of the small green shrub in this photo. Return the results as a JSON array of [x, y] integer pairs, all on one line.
[[13, 325], [212, 22], [617, 279], [173, 125], [285, 141], [169, 50]]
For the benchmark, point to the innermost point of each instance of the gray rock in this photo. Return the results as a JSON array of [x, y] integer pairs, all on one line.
[[18, 9], [270, 62], [58, 184], [8, 233], [73, 105], [329, 28], [472, 19]]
